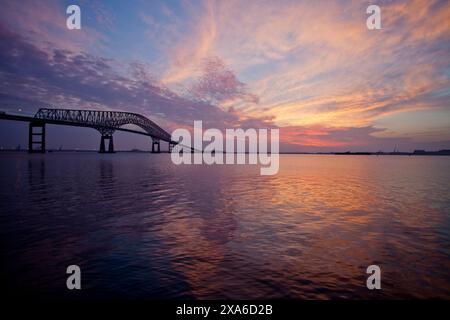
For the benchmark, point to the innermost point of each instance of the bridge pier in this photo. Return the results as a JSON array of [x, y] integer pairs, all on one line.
[[39, 134], [155, 146], [108, 137], [171, 145]]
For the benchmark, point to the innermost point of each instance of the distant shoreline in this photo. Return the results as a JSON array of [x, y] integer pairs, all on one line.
[[348, 153]]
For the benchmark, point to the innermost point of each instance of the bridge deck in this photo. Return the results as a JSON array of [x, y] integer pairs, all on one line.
[[13, 117]]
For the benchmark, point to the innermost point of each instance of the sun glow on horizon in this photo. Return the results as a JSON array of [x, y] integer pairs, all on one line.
[[312, 69]]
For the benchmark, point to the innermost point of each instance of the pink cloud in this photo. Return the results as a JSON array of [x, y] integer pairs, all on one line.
[[45, 25], [218, 83]]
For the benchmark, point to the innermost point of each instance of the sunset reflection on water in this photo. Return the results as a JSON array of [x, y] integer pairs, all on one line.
[[143, 227]]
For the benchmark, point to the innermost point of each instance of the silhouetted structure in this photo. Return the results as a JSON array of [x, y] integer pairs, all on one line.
[[106, 122], [34, 134]]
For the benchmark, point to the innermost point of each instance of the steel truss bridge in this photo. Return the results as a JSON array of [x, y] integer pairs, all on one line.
[[106, 122]]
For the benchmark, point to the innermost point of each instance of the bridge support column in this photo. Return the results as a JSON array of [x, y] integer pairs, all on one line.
[[36, 138], [108, 137], [111, 144], [102, 145], [171, 145], [155, 146]]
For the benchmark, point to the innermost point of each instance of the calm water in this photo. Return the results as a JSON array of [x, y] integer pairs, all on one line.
[[140, 227]]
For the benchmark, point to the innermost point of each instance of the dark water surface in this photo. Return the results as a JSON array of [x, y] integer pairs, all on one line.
[[140, 227]]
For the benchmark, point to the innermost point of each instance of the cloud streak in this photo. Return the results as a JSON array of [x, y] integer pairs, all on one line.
[[80, 80], [311, 68]]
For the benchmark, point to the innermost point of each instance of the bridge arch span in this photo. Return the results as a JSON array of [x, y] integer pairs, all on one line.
[[104, 121]]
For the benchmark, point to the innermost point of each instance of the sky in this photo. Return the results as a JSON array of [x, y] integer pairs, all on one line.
[[310, 68]]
